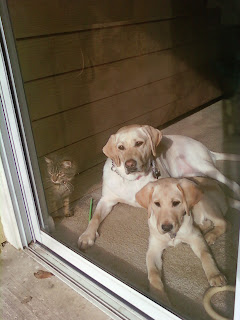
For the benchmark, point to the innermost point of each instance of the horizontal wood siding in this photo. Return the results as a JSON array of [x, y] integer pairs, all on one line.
[[67, 52], [65, 128], [74, 89], [33, 18], [90, 67]]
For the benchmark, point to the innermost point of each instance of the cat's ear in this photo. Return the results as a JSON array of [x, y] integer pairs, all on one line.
[[48, 160], [67, 164]]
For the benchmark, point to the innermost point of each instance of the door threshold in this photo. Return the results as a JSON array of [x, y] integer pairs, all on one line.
[[101, 297]]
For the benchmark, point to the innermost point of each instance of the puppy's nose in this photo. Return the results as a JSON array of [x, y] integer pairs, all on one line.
[[167, 227], [131, 164]]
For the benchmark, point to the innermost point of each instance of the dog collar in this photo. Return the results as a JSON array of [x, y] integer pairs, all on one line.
[[155, 171], [114, 169]]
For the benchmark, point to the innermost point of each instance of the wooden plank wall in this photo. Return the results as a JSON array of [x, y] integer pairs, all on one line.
[[90, 67]]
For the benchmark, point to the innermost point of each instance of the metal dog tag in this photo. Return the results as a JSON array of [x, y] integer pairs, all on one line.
[[156, 173]]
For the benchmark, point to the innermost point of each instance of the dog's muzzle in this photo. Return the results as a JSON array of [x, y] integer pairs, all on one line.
[[131, 166]]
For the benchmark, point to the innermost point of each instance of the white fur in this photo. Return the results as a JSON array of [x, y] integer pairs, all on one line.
[[187, 157], [124, 190]]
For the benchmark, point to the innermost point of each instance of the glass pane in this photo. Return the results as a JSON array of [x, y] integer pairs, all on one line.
[[91, 68]]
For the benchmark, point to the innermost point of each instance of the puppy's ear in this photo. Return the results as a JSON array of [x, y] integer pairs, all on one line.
[[191, 193], [111, 151], [144, 196], [154, 136]]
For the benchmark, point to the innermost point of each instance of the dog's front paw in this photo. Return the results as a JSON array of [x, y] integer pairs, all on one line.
[[218, 280], [210, 237], [86, 240]]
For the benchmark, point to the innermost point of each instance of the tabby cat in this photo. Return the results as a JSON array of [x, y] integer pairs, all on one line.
[[61, 173]]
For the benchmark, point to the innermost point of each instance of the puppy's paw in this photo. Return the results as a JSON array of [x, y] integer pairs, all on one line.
[[86, 240], [218, 280], [210, 237], [159, 293]]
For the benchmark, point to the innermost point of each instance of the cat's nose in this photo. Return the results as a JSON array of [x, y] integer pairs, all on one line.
[[54, 179]]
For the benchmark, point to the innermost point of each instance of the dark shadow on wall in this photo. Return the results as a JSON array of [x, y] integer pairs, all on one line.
[[225, 74]]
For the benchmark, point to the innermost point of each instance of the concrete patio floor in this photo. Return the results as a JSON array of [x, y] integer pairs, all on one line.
[[24, 297]]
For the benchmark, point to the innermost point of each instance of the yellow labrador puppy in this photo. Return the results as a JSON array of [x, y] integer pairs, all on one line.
[[175, 207], [136, 157]]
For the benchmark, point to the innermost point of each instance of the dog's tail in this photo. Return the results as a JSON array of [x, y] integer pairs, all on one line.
[[233, 203], [225, 156]]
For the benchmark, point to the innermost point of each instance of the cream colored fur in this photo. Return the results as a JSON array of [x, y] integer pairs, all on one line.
[[176, 210]]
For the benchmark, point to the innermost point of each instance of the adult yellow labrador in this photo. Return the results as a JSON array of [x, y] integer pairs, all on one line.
[[175, 208], [136, 157]]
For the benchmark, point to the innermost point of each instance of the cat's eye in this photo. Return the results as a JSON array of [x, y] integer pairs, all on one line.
[[175, 203], [121, 147], [157, 204], [138, 143]]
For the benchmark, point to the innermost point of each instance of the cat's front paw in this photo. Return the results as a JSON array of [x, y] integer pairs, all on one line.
[[86, 240], [69, 214]]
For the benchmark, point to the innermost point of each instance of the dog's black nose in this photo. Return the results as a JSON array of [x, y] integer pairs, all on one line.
[[167, 227], [131, 164]]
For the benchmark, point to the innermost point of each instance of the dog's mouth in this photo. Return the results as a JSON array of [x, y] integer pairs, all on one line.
[[170, 229], [132, 170], [143, 168], [172, 234], [135, 175], [135, 171]]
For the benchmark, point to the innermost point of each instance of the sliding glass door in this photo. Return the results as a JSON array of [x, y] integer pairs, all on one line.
[[64, 91]]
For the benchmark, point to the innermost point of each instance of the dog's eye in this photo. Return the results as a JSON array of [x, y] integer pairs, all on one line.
[[121, 147], [175, 203], [157, 203], [138, 143], [184, 213]]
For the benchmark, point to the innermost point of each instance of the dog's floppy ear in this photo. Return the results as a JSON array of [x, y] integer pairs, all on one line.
[[154, 136], [144, 196], [111, 151], [191, 193]]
